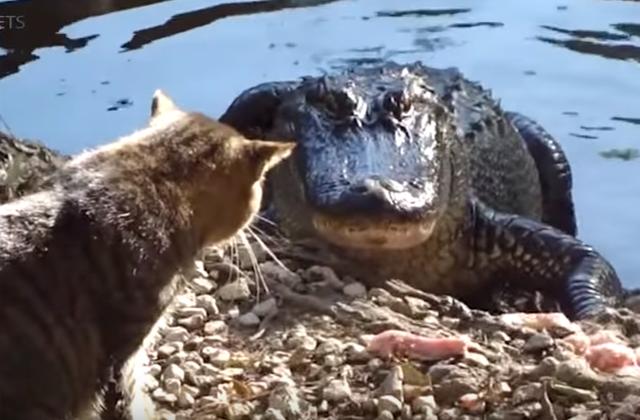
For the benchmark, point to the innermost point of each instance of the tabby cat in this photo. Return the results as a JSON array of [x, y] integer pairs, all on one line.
[[86, 263]]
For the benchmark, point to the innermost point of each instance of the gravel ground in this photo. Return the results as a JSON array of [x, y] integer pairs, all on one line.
[[231, 350]]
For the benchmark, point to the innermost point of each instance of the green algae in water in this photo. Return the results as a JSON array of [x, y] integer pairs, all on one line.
[[624, 154]]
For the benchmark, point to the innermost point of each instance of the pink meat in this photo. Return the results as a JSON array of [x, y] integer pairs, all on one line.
[[611, 357], [424, 348]]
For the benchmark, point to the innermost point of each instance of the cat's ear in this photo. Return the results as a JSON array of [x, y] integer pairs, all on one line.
[[161, 104], [267, 154]]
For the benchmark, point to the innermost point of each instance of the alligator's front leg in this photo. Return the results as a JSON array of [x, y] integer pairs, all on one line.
[[538, 256]]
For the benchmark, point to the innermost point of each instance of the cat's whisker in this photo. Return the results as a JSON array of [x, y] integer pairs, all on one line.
[[260, 281], [268, 250]]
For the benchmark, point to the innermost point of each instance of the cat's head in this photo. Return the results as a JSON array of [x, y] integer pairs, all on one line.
[[220, 171]]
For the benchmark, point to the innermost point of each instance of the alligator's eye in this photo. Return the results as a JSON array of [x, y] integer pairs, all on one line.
[[397, 103]]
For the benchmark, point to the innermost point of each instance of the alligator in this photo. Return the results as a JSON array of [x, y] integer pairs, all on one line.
[[418, 173]]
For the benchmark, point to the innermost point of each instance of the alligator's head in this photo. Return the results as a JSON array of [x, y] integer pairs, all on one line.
[[372, 168]]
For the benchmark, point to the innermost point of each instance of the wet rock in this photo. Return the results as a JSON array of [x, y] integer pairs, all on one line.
[[172, 385], [537, 343], [163, 396], [237, 290], [167, 350]]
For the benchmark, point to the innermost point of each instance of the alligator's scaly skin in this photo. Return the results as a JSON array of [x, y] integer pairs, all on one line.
[[426, 155], [24, 166]]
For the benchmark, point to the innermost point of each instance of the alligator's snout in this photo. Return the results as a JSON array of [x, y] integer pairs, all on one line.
[[375, 195], [376, 212]]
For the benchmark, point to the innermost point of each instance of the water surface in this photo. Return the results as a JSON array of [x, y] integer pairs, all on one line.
[[75, 77]]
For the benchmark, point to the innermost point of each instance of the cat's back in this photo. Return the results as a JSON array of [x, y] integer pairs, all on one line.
[[25, 225]]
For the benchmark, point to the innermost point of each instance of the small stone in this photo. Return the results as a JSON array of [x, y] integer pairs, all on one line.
[[166, 350], [215, 327], [336, 390], [501, 336], [424, 404], [173, 334], [332, 360], [208, 303], [155, 370], [150, 383], [302, 341], [588, 415], [186, 312], [185, 400], [472, 403], [357, 353], [450, 414], [177, 358], [575, 394], [389, 403], [202, 285], [528, 392], [236, 290], [216, 356], [547, 367], [286, 399], [172, 386], [385, 415], [162, 396], [392, 384], [193, 322], [173, 371], [355, 290], [249, 319], [329, 346], [476, 359], [274, 271], [273, 414], [538, 342], [266, 307]]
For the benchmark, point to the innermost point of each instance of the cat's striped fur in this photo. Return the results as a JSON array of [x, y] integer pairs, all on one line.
[[84, 263]]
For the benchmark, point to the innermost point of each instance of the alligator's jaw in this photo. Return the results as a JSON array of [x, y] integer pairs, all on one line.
[[369, 236]]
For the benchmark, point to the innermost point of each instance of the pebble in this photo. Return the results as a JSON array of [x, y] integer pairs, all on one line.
[[385, 415], [166, 350], [155, 370], [266, 307], [172, 385], [163, 396], [208, 303], [528, 392], [423, 404], [202, 285], [173, 371], [389, 403], [537, 343], [336, 390], [185, 400], [215, 327], [186, 312], [355, 290], [249, 319], [216, 356], [193, 322], [392, 384], [235, 290], [329, 346], [174, 334]]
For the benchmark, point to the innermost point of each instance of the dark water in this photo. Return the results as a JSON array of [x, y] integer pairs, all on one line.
[[81, 73]]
